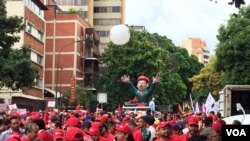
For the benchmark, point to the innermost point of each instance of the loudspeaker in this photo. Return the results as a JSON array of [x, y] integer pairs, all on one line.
[[93, 106]]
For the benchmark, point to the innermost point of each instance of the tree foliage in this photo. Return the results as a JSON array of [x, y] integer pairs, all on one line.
[[233, 50], [208, 80], [145, 54], [16, 70]]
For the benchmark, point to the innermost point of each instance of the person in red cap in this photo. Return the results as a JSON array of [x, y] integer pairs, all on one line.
[[58, 135], [143, 92], [193, 131], [73, 122], [123, 133], [164, 130], [94, 133]]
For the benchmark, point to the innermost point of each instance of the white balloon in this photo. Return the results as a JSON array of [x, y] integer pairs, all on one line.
[[119, 34]]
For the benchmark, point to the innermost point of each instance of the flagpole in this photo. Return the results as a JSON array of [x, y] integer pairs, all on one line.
[[191, 102]]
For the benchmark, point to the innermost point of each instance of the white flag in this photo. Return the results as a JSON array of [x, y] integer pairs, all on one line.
[[197, 109], [209, 102], [203, 108], [191, 101], [216, 107]]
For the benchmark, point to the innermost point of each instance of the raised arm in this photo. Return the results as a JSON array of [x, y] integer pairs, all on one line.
[[131, 87]]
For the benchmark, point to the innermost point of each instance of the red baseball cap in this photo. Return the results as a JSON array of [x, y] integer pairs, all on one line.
[[145, 78], [14, 137], [35, 116], [73, 121], [74, 134], [192, 121], [93, 131], [96, 125], [58, 134], [163, 125], [123, 128]]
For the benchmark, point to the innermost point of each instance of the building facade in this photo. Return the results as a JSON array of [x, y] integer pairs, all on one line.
[[198, 48], [101, 14], [33, 36], [71, 52], [64, 48]]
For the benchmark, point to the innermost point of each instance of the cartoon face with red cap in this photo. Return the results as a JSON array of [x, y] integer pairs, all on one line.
[[142, 83], [143, 92]]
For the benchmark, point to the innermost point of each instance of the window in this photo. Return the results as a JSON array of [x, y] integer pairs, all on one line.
[[38, 82], [100, 9], [103, 33], [85, 14], [32, 30], [36, 58], [29, 28], [39, 59], [107, 21], [34, 8], [116, 9], [40, 35]]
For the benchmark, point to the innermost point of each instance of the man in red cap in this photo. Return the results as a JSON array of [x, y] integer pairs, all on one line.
[[143, 92], [123, 133], [193, 131], [165, 132]]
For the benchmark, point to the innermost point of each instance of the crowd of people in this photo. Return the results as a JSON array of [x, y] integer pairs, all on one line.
[[79, 125]]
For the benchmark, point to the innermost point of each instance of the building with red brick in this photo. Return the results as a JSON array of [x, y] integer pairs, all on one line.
[[33, 36], [71, 52], [64, 48]]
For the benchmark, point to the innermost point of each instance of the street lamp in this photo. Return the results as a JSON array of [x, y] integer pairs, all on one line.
[[57, 69]]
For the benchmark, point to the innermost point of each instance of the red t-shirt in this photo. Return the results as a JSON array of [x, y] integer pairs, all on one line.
[[24, 138], [171, 138], [137, 134], [110, 137], [101, 138]]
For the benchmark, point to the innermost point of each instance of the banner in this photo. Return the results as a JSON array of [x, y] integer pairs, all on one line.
[[209, 102], [3, 107], [72, 90], [216, 107], [197, 108]]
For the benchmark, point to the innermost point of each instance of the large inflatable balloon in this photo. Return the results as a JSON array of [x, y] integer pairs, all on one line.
[[119, 34]]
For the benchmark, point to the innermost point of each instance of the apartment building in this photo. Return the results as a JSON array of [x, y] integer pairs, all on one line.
[[33, 35], [101, 14], [71, 52], [198, 48], [64, 47]]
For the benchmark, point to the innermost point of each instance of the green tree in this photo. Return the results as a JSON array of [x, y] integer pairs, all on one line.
[[208, 80], [142, 55], [186, 66], [233, 50], [16, 70]]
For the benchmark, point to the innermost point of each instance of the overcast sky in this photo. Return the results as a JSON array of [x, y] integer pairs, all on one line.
[[181, 19]]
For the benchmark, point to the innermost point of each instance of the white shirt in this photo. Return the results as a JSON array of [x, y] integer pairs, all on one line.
[[152, 105]]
